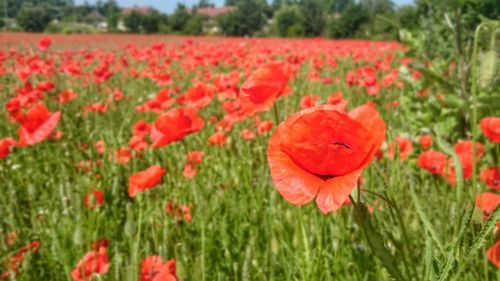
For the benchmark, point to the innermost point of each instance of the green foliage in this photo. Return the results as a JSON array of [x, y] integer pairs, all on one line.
[[71, 28], [408, 17], [337, 6], [314, 17], [289, 22], [133, 22], [349, 22], [151, 23], [247, 20], [34, 18], [112, 20], [249, 17], [227, 23], [179, 18], [204, 4], [194, 25]]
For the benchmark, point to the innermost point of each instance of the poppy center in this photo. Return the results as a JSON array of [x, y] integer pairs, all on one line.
[[327, 144]]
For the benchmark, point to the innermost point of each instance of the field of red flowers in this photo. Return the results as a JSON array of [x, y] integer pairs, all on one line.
[[128, 157]]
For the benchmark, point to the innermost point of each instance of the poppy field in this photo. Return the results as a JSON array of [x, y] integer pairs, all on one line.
[[154, 158]]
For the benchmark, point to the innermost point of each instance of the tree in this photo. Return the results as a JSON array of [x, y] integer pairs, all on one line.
[[179, 18], [133, 22], [227, 23], [375, 7], [349, 22], [289, 21], [34, 18], [112, 20], [14, 6], [194, 26], [313, 14], [337, 6], [408, 17], [151, 22], [249, 17], [246, 20], [204, 4]]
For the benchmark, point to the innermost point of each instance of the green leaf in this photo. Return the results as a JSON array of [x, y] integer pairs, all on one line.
[[425, 220], [480, 239], [437, 78]]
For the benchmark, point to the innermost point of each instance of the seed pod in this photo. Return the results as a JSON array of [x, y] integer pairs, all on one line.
[[487, 69]]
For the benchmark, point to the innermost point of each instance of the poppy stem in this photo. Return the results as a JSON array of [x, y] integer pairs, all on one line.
[[375, 240], [276, 114]]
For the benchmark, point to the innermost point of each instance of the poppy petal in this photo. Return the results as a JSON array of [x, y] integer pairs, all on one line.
[[334, 192], [41, 133], [294, 183]]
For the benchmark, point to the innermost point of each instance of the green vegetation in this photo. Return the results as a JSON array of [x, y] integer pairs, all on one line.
[[372, 19]]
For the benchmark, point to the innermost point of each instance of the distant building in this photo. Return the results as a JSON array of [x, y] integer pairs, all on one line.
[[145, 10], [213, 12]]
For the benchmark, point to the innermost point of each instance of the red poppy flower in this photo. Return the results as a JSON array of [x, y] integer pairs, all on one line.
[[308, 101], [117, 94], [175, 125], [261, 89], [141, 128], [100, 146], [45, 86], [493, 254], [491, 177], [264, 126], [137, 143], [246, 134], [199, 96], [37, 125], [322, 152], [93, 199], [336, 100], [144, 180], [433, 161], [491, 128], [92, 262], [101, 243], [487, 202], [465, 160], [189, 171], [150, 267], [466, 147], [194, 157], [5, 146], [405, 148], [44, 43], [66, 96], [153, 269], [425, 141], [218, 138], [122, 155], [14, 263], [186, 211]]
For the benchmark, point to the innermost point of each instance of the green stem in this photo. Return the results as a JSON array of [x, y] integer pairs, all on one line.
[[276, 114], [138, 238], [406, 249], [474, 103], [375, 239]]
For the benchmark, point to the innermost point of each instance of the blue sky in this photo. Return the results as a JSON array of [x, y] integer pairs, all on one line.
[[168, 6]]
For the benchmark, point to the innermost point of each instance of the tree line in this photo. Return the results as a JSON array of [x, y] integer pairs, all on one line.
[[376, 19]]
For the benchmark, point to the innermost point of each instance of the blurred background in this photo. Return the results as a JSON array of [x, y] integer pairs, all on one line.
[[369, 19]]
